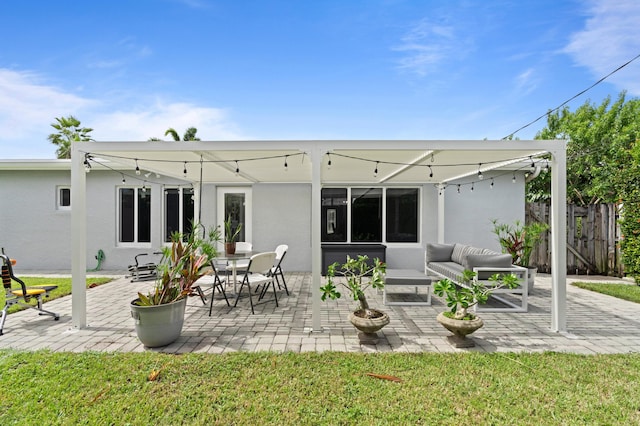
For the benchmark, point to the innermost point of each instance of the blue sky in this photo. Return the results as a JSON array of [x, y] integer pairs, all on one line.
[[322, 69]]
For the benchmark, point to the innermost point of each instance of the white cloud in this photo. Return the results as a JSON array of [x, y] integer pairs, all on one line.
[[154, 120], [425, 46], [28, 106], [526, 82], [610, 37]]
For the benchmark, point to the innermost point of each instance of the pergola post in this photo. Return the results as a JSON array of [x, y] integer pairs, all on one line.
[[316, 156], [78, 238], [559, 241]]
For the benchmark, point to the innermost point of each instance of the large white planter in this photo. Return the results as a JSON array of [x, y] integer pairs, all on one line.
[[159, 325]]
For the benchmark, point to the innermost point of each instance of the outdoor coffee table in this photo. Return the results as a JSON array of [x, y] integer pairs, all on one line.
[[407, 278]]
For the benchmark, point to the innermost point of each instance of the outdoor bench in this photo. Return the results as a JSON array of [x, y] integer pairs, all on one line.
[[450, 260]]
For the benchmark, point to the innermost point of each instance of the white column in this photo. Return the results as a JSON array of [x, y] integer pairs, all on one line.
[[559, 241], [316, 251], [441, 215], [78, 238]]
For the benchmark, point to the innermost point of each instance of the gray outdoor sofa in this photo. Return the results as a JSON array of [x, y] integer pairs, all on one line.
[[450, 260]]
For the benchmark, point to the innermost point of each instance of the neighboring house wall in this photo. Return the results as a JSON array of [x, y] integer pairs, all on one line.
[[37, 234]]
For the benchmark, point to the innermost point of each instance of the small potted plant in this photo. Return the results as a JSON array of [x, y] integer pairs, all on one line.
[[358, 275], [159, 314], [459, 320], [231, 235], [519, 240]]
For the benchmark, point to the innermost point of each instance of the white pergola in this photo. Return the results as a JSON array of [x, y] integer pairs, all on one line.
[[321, 162]]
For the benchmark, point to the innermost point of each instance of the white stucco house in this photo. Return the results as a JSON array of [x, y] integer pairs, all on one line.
[[396, 195]]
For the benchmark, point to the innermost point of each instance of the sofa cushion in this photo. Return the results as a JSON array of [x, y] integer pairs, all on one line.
[[458, 251], [439, 252], [489, 260]]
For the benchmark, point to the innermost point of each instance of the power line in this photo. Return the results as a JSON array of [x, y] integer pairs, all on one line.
[[575, 96]]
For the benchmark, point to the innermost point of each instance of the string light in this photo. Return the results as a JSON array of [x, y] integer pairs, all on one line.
[[144, 186], [513, 180], [480, 176], [375, 172], [286, 166], [87, 165], [472, 183], [184, 171], [147, 174], [491, 185], [458, 188], [430, 172], [123, 179], [237, 168], [329, 161], [137, 168]]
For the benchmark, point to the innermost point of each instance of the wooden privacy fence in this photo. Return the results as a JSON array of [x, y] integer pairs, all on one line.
[[592, 239]]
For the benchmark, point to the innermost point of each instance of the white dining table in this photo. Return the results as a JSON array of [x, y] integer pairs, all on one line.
[[233, 259]]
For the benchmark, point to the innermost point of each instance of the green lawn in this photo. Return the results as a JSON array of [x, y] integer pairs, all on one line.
[[629, 292], [319, 388], [64, 288]]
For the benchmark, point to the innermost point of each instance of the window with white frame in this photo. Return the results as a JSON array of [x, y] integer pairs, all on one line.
[[63, 197], [370, 215], [134, 215], [178, 211]]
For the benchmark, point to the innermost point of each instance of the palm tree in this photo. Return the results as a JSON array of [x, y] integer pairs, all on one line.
[[189, 134], [69, 130]]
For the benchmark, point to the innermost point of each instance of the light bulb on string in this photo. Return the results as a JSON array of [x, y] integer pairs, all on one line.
[[328, 161], [472, 186], [123, 179], [430, 172], [147, 174], [458, 188], [480, 176], [144, 186], [184, 171], [375, 172], [137, 168], [513, 180], [286, 166], [237, 168], [491, 185]]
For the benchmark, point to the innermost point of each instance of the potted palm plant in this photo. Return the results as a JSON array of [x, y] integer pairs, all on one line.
[[460, 299], [159, 314], [358, 275], [519, 240], [231, 235]]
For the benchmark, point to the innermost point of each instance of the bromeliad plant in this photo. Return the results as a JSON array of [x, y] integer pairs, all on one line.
[[519, 239], [182, 265], [461, 298], [359, 276]]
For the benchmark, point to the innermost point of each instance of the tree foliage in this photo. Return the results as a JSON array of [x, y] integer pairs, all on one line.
[[600, 138], [189, 134], [68, 130], [603, 163]]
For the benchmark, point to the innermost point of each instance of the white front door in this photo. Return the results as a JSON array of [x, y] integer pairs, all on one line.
[[235, 202]]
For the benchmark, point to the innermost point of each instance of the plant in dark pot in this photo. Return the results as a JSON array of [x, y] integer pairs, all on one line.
[[231, 235], [461, 298], [159, 314], [519, 240], [356, 275]]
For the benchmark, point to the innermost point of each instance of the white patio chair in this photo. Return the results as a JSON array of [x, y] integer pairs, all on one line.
[[240, 265], [257, 273], [276, 270], [215, 282]]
